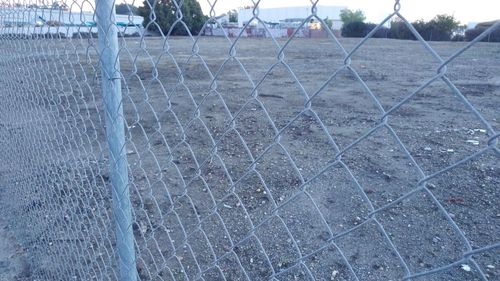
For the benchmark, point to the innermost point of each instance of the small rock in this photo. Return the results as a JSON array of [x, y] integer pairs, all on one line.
[[473, 142], [465, 267], [143, 227], [334, 275], [431, 185], [427, 148]]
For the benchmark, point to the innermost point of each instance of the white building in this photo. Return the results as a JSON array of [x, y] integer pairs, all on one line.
[[288, 14], [45, 20]]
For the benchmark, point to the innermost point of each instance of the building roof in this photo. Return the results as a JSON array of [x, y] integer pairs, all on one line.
[[486, 24], [280, 14]]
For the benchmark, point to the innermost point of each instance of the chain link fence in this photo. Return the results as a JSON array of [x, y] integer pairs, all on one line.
[[229, 158]]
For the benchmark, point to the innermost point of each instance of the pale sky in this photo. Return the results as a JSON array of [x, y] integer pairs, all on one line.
[[375, 10]]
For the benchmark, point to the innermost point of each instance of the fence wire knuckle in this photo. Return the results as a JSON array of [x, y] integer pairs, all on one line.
[[130, 153]]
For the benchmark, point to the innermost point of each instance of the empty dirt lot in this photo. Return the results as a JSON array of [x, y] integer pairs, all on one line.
[[249, 161]]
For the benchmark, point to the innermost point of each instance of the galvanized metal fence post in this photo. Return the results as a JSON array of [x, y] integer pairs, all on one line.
[[115, 133]]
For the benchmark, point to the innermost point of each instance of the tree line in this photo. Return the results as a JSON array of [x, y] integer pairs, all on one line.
[[440, 28], [165, 16]]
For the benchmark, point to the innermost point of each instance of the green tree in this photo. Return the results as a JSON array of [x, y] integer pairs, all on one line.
[[440, 28], [444, 26], [399, 30], [124, 9], [165, 16], [328, 22], [347, 16], [354, 29]]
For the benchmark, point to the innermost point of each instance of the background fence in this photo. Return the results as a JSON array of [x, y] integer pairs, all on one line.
[[202, 158]]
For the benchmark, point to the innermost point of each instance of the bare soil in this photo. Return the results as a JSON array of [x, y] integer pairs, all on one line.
[[13, 263], [250, 163]]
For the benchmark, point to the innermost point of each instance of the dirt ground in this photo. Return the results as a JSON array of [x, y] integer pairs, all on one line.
[[13, 264], [250, 164]]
